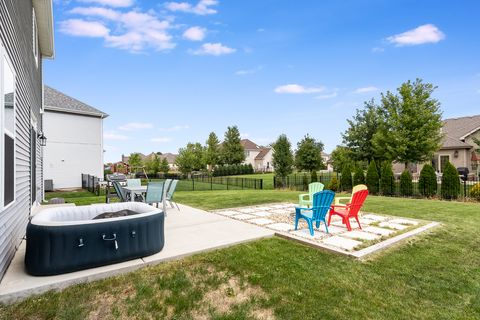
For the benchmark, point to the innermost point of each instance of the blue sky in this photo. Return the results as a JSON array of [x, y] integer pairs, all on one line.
[[171, 72]]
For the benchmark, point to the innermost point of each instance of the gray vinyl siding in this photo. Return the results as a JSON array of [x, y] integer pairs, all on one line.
[[16, 37]]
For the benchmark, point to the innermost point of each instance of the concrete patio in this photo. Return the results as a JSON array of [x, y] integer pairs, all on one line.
[[187, 232]]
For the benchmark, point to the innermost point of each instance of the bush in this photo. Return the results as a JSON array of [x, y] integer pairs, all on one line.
[[387, 180], [346, 179], [427, 183], [475, 192], [372, 178], [358, 176], [406, 184], [450, 187], [314, 177], [250, 169], [333, 184]]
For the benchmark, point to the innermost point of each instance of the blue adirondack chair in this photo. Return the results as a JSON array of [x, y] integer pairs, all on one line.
[[305, 200], [154, 193], [318, 212]]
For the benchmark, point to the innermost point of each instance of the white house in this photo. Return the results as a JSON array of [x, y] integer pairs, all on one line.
[[259, 157], [75, 140]]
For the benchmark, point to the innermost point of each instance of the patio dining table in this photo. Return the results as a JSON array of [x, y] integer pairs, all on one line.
[[140, 190]]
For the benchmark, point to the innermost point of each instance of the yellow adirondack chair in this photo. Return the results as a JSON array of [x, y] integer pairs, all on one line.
[[305, 200], [358, 187]]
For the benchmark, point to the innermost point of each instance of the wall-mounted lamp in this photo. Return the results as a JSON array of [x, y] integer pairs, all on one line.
[[43, 140], [455, 154]]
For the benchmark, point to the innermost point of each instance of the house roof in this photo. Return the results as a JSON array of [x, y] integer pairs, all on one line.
[[455, 131], [169, 156], [44, 16], [55, 100], [449, 142], [248, 144], [262, 154]]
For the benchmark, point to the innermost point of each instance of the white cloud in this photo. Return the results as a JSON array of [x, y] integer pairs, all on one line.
[[111, 3], [365, 89], [161, 139], [327, 96], [133, 126], [260, 30], [194, 34], [427, 33], [203, 7], [298, 89], [248, 71], [174, 128], [82, 28], [214, 49], [112, 135], [134, 30]]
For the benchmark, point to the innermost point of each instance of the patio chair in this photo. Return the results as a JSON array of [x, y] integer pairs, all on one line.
[[170, 192], [350, 210], [121, 193], [321, 204], [154, 193], [305, 200], [358, 187], [134, 182]]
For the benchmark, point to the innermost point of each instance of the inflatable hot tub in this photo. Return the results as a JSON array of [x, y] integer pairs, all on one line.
[[66, 239]]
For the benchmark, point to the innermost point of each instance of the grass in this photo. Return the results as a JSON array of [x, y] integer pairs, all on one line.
[[433, 276]]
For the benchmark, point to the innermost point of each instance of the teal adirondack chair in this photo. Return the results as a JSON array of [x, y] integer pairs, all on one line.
[[305, 200], [322, 202]]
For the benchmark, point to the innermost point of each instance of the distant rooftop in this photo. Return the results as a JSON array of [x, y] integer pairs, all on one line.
[[58, 101], [455, 131]]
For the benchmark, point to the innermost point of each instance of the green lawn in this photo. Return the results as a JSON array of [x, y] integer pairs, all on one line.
[[434, 276]]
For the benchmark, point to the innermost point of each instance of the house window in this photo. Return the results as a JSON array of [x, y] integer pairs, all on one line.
[[444, 159], [35, 37], [7, 129], [247, 153]]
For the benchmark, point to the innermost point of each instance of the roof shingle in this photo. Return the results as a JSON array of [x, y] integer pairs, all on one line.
[[58, 101]]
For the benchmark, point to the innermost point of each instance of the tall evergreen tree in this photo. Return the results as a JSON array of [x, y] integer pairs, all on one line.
[[308, 156], [372, 179], [387, 183], [282, 158], [212, 151], [232, 151], [410, 125]]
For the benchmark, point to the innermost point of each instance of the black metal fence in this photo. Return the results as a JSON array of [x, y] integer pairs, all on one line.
[[469, 189]]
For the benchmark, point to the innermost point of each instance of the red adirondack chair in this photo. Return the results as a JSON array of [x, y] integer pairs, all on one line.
[[349, 210]]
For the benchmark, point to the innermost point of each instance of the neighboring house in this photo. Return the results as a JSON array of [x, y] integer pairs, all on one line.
[[457, 147], [26, 37], [75, 140], [259, 157], [326, 160]]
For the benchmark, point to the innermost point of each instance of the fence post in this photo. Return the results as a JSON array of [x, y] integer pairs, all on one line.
[[243, 180], [465, 189], [261, 184], [193, 184], [274, 183], [211, 183], [227, 183]]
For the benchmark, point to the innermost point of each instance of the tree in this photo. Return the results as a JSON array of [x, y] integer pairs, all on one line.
[[232, 151], [346, 179], [387, 185], [212, 151], [358, 176], [340, 157], [450, 187], [152, 164], [190, 158], [164, 167], [135, 161], [359, 135], [308, 156], [406, 184], [409, 129], [282, 158], [427, 183], [372, 179]]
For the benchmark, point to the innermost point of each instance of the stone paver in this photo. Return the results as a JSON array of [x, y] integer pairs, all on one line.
[[305, 233], [261, 221], [374, 217], [335, 229], [404, 221], [244, 216], [341, 242], [281, 211], [379, 231], [362, 235], [277, 206], [281, 226], [263, 208], [247, 210], [391, 225], [262, 213], [339, 223], [227, 213]]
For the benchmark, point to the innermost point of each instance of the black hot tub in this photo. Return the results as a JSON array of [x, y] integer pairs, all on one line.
[[67, 239]]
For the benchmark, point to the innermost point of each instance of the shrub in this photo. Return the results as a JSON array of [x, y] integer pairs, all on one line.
[[450, 187], [475, 192], [406, 184], [333, 184], [372, 178], [358, 176], [346, 179], [314, 177], [387, 180], [427, 183], [305, 182], [250, 169]]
